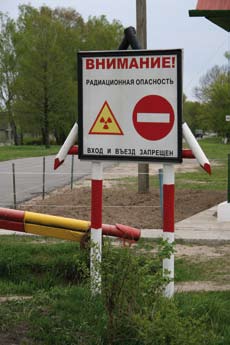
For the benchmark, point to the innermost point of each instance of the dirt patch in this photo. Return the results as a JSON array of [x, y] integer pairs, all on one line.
[[17, 335], [200, 252], [201, 286], [123, 205], [4, 299]]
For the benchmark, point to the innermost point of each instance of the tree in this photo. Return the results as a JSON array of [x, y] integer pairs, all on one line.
[[48, 41], [195, 115], [8, 70], [38, 74], [45, 87], [214, 92], [99, 34]]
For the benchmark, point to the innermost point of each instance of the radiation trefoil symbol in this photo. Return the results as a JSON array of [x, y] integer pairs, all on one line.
[[106, 122]]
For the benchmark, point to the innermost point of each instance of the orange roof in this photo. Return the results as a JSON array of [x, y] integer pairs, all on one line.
[[213, 5]]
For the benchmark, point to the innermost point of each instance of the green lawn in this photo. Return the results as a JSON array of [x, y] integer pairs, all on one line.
[[217, 153], [13, 152], [215, 149], [63, 311]]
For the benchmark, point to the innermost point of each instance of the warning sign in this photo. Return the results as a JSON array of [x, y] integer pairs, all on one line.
[[153, 117], [106, 122], [130, 105]]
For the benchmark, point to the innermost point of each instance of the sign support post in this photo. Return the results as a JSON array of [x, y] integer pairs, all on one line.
[[96, 226], [168, 223], [134, 114], [143, 169]]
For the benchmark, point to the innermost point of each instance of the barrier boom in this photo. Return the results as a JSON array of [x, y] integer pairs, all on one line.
[[59, 227]]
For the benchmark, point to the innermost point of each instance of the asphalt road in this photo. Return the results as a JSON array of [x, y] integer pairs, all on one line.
[[29, 177]]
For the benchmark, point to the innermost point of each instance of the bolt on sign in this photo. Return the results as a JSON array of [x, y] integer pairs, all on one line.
[[130, 105]]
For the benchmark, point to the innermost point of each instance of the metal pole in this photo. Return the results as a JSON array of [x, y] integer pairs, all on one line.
[[72, 167], [14, 186], [43, 178], [160, 175], [143, 168]]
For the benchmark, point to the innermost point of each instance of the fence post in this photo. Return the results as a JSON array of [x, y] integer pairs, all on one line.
[[14, 185], [43, 178], [160, 175], [228, 193], [72, 167]]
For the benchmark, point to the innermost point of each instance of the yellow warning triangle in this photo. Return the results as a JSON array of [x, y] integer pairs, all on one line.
[[106, 122]]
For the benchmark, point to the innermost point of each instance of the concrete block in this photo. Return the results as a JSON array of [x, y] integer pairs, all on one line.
[[223, 212]]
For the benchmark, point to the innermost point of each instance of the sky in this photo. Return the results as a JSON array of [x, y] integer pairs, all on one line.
[[168, 27]]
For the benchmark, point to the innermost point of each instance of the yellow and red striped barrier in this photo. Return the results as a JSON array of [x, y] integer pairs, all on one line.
[[59, 227]]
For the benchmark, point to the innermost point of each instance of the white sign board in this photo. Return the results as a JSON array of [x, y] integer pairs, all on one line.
[[130, 105], [227, 117]]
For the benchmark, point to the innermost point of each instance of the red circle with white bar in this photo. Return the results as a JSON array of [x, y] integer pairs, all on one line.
[[153, 117]]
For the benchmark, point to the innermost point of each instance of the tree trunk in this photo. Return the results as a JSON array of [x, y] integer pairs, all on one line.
[[12, 123], [14, 131], [46, 111]]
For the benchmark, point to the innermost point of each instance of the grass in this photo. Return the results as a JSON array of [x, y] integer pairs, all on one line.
[[27, 264], [215, 149], [213, 306], [25, 151], [217, 153], [63, 311], [196, 270]]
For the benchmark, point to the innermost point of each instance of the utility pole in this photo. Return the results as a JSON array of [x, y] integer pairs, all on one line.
[[141, 28]]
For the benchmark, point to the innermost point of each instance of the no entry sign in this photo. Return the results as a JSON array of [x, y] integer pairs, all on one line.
[[153, 117], [130, 105]]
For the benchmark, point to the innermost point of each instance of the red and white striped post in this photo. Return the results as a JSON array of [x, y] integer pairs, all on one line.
[[168, 223], [96, 226], [196, 149], [69, 142]]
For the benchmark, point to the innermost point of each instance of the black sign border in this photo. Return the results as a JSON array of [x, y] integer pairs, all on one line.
[[110, 53]]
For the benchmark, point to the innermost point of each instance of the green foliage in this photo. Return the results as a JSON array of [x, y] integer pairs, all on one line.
[[193, 113], [38, 77], [211, 306], [99, 33], [130, 284], [8, 69], [43, 64], [136, 311], [26, 267], [213, 92], [167, 326], [130, 309]]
